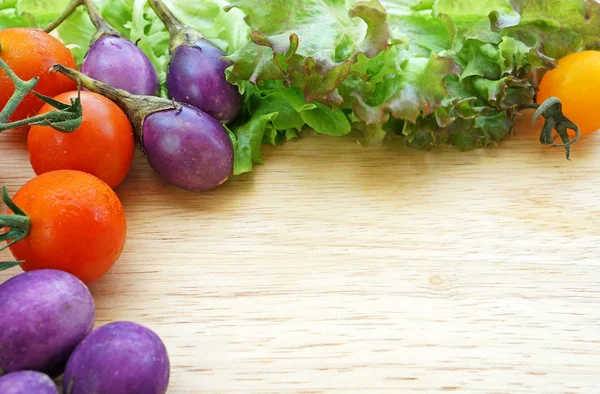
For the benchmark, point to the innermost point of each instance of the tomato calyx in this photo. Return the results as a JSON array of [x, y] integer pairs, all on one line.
[[67, 119], [551, 110], [18, 225]]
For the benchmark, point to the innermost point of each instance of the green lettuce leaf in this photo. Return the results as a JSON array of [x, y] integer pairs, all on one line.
[[11, 17], [77, 31], [310, 46], [248, 139], [275, 114], [43, 11], [407, 90], [557, 27]]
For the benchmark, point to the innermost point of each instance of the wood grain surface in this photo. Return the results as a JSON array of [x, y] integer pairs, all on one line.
[[340, 269]]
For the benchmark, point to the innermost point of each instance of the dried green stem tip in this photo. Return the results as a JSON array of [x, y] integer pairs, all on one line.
[[551, 110]]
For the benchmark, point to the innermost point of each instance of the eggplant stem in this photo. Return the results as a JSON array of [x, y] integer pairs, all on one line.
[[18, 225], [90, 83], [179, 34], [163, 12], [136, 107], [70, 386], [63, 16], [104, 29], [102, 26]]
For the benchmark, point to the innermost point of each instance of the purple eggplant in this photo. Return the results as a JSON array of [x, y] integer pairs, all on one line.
[[196, 73], [112, 58], [44, 314], [186, 146], [118, 358], [27, 382]]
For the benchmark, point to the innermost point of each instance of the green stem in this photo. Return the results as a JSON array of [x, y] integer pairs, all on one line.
[[172, 24], [22, 89], [180, 35], [102, 27], [555, 120], [91, 84], [62, 17], [67, 119], [43, 120], [136, 107], [18, 225]]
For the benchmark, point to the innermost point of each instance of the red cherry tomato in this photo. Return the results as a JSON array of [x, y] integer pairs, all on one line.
[[102, 146]]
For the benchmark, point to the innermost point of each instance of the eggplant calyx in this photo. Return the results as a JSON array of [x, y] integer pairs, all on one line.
[[187, 36]]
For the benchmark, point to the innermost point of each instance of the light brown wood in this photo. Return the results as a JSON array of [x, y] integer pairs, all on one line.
[[339, 269]]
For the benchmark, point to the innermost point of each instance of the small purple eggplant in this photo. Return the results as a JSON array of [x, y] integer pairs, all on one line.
[[111, 58], [44, 314], [118, 358], [27, 382], [186, 146], [196, 73]]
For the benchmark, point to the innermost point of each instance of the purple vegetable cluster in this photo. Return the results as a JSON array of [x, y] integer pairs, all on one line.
[[184, 139], [46, 329]]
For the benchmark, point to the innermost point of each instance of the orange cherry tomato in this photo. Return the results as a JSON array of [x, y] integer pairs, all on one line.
[[102, 146], [30, 53], [77, 224], [576, 83]]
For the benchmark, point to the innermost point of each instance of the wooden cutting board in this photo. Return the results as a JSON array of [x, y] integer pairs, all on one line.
[[339, 269]]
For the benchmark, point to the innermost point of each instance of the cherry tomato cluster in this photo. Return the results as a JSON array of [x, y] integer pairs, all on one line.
[[69, 217]]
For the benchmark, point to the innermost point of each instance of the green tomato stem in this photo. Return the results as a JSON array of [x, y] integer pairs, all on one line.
[[551, 110], [67, 119], [18, 225], [22, 89]]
